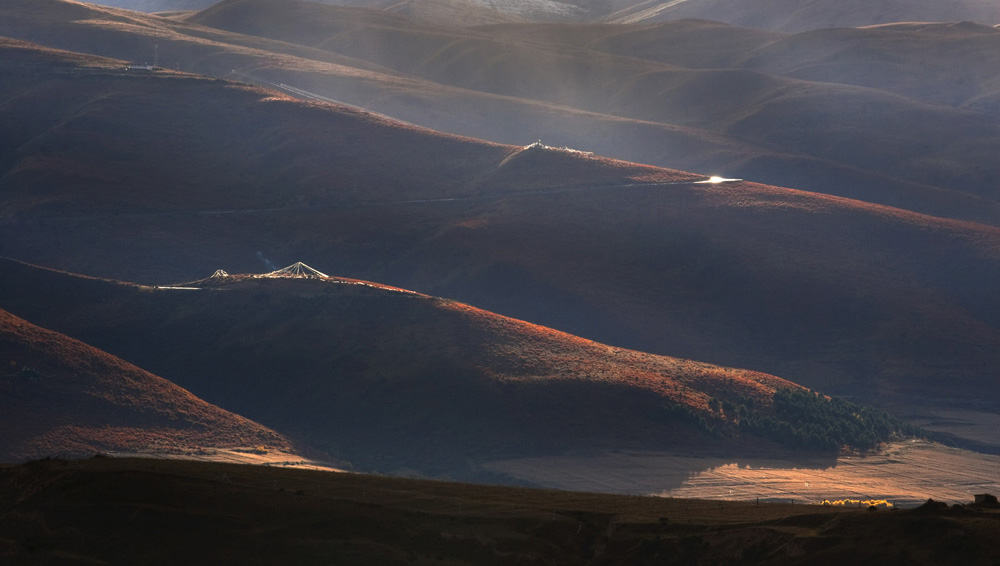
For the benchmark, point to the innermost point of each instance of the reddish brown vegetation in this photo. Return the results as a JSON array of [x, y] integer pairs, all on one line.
[[518, 350], [61, 396], [839, 295], [385, 378], [594, 88]]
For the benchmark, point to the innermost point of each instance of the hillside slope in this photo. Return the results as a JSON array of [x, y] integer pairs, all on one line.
[[387, 378], [796, 15], [833, 121], [61, 397], [529, 81], [845, 297]]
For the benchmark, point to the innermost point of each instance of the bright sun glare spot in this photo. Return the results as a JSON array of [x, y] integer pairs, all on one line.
[[715, 180]]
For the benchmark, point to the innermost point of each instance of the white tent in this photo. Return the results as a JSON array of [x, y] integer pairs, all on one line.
[[297, 269]]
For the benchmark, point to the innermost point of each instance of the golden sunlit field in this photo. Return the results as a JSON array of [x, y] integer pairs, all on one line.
[[905, 474]]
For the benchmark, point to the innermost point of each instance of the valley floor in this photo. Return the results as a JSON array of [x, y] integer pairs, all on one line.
[[159, 511], [906, 474]]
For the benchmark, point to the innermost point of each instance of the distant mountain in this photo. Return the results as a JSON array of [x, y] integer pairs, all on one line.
[[726, 87], [797, 15], [157, 5], [724, 133], [452, 12], [782, 15], [61, 397]]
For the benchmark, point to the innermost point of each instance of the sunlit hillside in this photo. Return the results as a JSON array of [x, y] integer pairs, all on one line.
[[63, 397]]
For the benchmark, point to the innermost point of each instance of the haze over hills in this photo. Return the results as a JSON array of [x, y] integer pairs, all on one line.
[[535, 72], [794, 15], [63, 397], [783, 15], [653, 330], [838, 295], [779, 112]]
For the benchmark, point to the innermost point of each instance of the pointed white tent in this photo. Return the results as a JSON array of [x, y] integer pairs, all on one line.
[[297, 269]]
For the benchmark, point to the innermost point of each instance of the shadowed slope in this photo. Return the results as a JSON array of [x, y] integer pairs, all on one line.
[[861, 128], [560, 71], [845, 297], [954, 64], [695, 44], [451, 12], [59, 396], [105, 141], [797, 15], [385, 377], [156, 5], [180, 512]]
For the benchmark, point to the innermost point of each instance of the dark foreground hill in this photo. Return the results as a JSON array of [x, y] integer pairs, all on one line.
[[168, 512], [60, 396], [389, 379]]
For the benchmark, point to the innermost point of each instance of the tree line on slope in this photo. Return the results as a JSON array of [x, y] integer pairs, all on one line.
[[800, 419]]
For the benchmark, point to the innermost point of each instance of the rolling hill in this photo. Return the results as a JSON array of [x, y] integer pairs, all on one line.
[[861, 128], [838, 295], [886, 56], [61, 397], [858, 127], [544, 82], [390, 379], [452, 12], [787, 15]]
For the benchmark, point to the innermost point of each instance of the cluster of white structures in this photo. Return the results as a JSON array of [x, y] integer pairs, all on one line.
[[297, 269], [539, 145]]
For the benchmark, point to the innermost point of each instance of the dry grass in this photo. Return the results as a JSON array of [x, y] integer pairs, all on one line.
[[61, 396], [565, 91], [389, 379]]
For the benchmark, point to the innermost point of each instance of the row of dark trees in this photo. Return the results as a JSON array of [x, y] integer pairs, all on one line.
[[803, 420]]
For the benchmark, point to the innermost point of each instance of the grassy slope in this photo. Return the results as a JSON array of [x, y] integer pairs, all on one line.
[[885, 57], [813, 14], [845, 297], [278, 154], [451, 12], [384, 377], [448, 52], [857, 127], [169, 512], [60, 396]]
